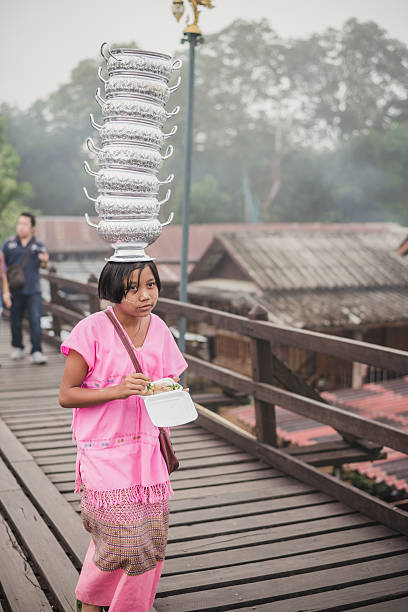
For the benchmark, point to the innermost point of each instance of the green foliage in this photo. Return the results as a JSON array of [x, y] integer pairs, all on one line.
[[289, 114], [208, 201], [13, 191], [369, 485], [369, 181], [9, 216], [306, 191], [50, 140]]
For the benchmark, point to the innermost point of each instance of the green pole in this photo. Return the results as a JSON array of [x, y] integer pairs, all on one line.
[[192, 39]]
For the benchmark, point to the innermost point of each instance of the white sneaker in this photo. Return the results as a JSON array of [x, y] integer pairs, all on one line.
[[38, 358], [17, 353]]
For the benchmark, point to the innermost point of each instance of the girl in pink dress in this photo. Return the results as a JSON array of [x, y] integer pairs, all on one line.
[[120, 468]]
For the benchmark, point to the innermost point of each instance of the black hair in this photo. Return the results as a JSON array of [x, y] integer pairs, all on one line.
[[114, 281], [31, 217]]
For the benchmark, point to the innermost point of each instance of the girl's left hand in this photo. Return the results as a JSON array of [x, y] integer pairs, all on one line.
[[177, 380]]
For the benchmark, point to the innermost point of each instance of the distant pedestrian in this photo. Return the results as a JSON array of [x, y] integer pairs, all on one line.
[[4, 288], [24, 255]]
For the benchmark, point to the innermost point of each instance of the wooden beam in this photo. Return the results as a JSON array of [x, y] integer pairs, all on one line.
[[60, 281], [350, 350], [62, 312], [313, 409], [262, 371], [44, 494], [44, 549], [345, 348]]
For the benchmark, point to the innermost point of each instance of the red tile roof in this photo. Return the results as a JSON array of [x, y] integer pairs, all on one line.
[[385, 402], [74, 235]]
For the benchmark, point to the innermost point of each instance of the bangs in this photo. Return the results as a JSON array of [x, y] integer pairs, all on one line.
[[115, 279], [128, 281]]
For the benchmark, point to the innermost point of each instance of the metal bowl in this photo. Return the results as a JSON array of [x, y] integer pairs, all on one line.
[[134, 108], [129, 156], [138, 85], [126, 181], [119, 207], [129, 131], [141, 231], [137, 60]]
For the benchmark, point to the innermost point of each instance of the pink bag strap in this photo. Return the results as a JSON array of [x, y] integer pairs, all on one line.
[[125, 341], [128, 347]]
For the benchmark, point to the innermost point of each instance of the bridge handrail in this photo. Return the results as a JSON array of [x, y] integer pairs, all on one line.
[[267, 371], [345, 348], [299, 398]]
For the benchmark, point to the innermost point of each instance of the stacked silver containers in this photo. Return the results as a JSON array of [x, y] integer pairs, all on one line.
[[128, 155]]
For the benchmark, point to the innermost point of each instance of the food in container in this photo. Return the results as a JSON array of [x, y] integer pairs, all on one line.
[[170, 408]]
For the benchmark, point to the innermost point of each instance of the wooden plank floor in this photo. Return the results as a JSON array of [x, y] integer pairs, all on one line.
[[243, 535]]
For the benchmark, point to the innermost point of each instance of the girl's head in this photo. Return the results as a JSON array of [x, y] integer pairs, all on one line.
[[134, 285]]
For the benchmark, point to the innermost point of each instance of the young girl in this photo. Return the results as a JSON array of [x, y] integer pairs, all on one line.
[[120, 466]]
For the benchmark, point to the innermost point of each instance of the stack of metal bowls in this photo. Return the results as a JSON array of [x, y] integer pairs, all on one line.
[[128, 155]]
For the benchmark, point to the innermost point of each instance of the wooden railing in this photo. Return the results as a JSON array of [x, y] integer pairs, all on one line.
[[273, 383]]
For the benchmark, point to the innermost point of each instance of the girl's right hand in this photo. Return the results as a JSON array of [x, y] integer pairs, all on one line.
[[132, 384]]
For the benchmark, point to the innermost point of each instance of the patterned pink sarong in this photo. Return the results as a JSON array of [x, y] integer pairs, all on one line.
[[128, 543]]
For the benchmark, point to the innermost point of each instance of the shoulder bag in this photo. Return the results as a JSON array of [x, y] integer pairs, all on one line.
[[165, 445], [15, 272]]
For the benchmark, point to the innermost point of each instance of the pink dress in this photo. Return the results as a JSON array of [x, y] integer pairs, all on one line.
[[121, 469]]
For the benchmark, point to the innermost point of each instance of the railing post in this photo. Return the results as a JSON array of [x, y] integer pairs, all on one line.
[[55, 299], [261, 357], [357, 368], [93, 300]]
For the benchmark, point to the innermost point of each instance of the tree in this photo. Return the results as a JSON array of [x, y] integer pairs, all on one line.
[[259, 98], [351, 80], [268, 111], [208, 201], [369, 176], [50, 138], [13, 192], [307, 196]]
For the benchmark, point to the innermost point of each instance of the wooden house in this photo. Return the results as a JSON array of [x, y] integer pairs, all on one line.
[[342, 279]]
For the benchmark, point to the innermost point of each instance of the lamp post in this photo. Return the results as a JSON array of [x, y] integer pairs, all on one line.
[[193, 36]]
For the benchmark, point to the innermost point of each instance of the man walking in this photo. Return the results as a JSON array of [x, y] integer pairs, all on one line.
[[23, 249]]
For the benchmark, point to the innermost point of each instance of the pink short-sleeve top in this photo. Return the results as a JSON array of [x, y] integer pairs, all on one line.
[[119, 457]]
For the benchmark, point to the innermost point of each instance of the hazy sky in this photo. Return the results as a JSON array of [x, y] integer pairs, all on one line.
[[41, 41]]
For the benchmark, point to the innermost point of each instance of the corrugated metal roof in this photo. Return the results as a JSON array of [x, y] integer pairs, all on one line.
[[314, 275], [69, 235], [302, 258], [345, 308]]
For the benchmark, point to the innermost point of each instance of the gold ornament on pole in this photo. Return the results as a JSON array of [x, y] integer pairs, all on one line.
[[178, 11]]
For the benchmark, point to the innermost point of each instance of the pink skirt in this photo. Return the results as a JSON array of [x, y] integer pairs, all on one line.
[[125, 557]]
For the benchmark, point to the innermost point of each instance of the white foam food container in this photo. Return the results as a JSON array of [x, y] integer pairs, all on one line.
[[170, 408]]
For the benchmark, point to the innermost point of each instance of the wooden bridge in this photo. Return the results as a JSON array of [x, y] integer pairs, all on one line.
[[253, 526]]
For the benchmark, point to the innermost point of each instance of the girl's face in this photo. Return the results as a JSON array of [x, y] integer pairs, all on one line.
[[142, 295]]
